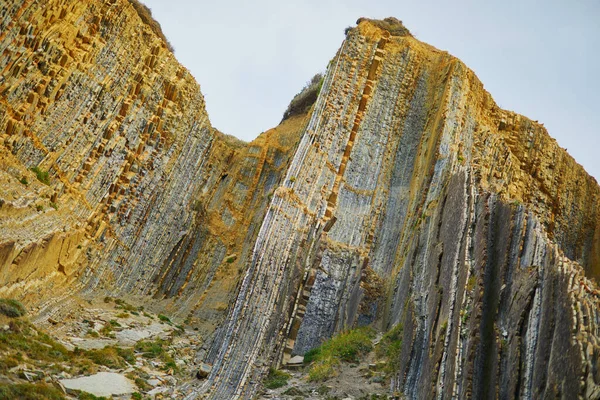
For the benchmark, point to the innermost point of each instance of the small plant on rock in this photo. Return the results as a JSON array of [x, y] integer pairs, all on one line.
[[12, 308], [276, 379], [345, 347], [41, 175]]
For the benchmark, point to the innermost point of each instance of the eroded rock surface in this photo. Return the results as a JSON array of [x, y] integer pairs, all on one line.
[[101, 384], [405, 196], [143, 198], [410, 180]]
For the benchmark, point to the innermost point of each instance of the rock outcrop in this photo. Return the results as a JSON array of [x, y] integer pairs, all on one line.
[[404, 196], [478, 224], [142, 198]]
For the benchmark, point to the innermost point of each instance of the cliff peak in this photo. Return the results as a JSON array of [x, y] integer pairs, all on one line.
[[391, 24]]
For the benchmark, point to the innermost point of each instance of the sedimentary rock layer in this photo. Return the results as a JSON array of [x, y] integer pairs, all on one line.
[[479, 224], [405, 197], [143, 198]]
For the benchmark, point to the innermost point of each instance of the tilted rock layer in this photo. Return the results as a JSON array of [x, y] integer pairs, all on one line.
[[405, 197], [144, 198]]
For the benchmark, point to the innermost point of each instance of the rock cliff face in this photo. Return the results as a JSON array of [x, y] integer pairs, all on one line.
[[406, 196], [143, 198], [479, 226]]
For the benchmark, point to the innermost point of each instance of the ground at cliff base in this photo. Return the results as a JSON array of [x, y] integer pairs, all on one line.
[[355, 381], [363, 379], [108, 349]]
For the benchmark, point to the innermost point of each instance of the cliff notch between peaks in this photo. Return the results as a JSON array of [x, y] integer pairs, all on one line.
[[404, 196]]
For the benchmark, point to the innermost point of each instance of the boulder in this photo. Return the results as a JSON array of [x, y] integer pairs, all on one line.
[[101, 384], [203, 371]]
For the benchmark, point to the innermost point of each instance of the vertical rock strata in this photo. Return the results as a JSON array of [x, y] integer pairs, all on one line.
[[143, 198], [480, 225], [405, 197]]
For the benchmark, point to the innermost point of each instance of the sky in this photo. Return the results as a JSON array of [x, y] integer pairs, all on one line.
[[538, 58]]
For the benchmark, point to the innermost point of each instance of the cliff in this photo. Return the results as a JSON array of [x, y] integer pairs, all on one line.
[[478, 224], [404, 196], [139, 196]]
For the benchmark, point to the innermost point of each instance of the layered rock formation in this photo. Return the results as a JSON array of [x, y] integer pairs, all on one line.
[[143, 197], [406, 196], [479, 226]]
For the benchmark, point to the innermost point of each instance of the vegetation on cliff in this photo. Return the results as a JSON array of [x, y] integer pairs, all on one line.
[[303, 101], [145, 14], [345, 347]]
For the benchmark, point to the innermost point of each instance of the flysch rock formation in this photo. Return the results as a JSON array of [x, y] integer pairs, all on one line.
[[145, 199], [406, 196], [470, 220]]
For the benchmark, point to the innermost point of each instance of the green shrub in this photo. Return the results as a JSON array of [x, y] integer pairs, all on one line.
[[108, 356], [126, 354], [7, 363], [12, 308], [276, 379], [28, 391], [150, 348], [303, 101], [24, 181], [156, 349], [346, 347], [21, 338], [312, 355], [125, 306], [142, 384], [164, 318], [92, 333], [322, 370], [41, 175], [88, 396]]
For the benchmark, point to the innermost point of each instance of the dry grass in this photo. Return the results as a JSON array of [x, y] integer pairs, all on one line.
[[393, 25], [145, 14]]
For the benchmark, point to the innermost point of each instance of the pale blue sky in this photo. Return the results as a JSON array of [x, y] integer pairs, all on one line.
[[538, 58]]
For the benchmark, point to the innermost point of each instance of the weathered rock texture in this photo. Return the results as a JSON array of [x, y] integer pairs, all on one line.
[[144, 199], [479, 224], [405, 196]]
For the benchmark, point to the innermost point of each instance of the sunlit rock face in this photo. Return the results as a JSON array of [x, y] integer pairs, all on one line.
[[405, 196], [143, 197], [476, 227]]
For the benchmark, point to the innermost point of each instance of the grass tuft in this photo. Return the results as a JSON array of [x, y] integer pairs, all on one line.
[[345, 347], [303, 101], [12, 308], [276, 379], [390, 347], [28, 391]]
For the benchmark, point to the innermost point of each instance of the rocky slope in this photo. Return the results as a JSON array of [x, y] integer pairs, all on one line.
[[406, 196]]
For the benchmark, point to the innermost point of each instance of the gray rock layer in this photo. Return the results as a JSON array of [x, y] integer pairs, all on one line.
[[395, 174]]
